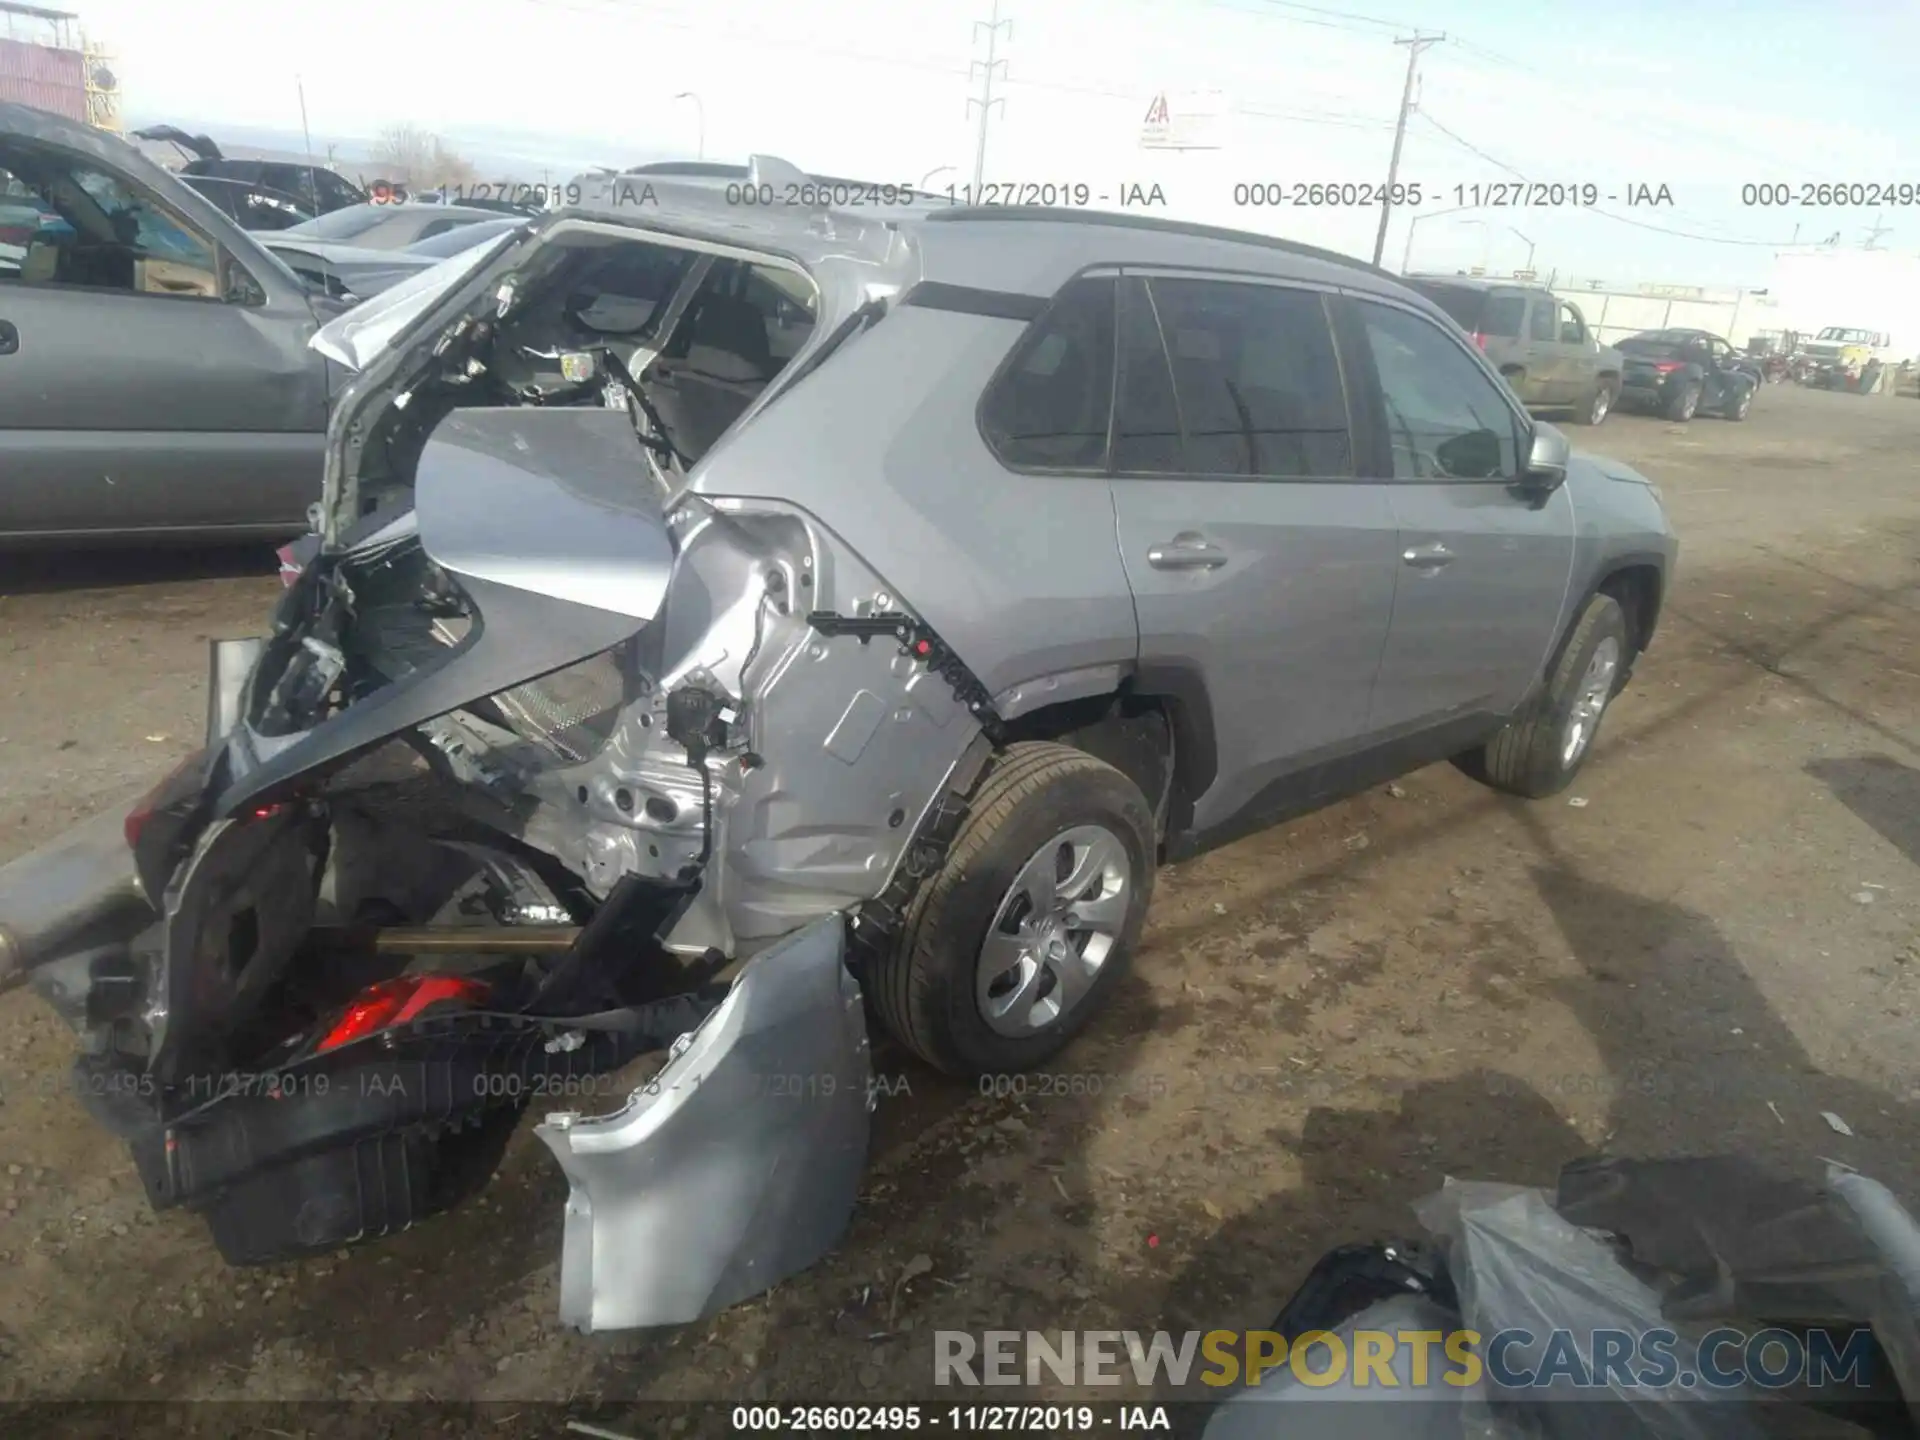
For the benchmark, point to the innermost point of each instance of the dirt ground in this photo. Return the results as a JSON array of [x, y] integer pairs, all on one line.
[[1712, 940]]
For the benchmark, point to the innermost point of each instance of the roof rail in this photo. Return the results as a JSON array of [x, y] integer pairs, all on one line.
[[1060, 214]]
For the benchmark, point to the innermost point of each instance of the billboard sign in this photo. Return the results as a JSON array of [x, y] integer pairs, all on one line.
[[1185, 120]]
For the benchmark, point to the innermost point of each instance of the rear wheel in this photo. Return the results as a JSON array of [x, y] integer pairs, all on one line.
[[1010, 948], [1543, 747], [1684, 402], [1598, 405]]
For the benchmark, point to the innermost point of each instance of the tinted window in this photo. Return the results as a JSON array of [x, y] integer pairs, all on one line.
[[65, 221], [1540, 320], [1146, 428], [1462, 302], [1256, 377], [1445, 417], [1050, 407], [1656, 343], [1502, 316]]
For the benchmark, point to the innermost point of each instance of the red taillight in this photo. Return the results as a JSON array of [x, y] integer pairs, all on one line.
[[395, 1002], [1479, 340], [290, 565], [136, 822], [1667, 367]]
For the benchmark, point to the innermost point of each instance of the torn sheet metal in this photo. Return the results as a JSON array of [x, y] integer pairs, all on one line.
[[734, 1167]]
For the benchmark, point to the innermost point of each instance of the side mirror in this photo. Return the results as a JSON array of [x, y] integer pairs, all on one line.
[[1547, 457]]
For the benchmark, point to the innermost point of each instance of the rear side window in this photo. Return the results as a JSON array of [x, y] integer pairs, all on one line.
[[1256, 377], [1540, 320], [1461, 303], [1050, 407], [1502, 315]]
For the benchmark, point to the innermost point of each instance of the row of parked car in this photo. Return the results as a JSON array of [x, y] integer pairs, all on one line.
[[1544, 348], [230, 443]]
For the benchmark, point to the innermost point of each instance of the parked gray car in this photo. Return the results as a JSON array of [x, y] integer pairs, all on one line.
[[157, 377], [1541, 344], [730, 623], [387, 227]]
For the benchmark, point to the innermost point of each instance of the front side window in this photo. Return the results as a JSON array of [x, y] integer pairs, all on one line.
[[1573, 330], [1256, 377], [1050, 408], [1445, 417], [66, 221]]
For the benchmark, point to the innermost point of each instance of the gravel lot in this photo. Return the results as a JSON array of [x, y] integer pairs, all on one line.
[[1711, 941]]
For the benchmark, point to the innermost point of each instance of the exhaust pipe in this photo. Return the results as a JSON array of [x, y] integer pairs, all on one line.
[[81, 891]]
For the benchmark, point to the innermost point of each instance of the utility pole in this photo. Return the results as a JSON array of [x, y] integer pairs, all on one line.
[[1414, 46], [986, 99]]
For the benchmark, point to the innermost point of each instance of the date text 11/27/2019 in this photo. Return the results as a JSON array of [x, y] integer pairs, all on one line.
[[1491, 194]]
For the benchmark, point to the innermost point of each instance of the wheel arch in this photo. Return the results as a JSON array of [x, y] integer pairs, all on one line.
[[1156, 728]]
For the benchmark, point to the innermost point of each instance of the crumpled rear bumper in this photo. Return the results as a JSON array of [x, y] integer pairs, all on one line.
[[738, 1164]]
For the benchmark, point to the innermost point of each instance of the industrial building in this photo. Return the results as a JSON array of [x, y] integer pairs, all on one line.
[[46, 62]]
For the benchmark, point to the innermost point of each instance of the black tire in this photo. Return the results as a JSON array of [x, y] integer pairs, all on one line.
[[1528, 757], [1741, 405], [924, 988], [1685, 401], [1597, 406]]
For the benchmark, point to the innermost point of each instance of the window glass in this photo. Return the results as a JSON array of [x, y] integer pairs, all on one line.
[[1502, 316], [1540, 320], [64, 221], [1257, 379], [1446, 418], [1573, 330], [1146, 430], [1050, 408], [1462, 302]]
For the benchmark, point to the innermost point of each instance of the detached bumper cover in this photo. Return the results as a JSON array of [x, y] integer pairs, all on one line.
[[738, 1164], [78, 894]]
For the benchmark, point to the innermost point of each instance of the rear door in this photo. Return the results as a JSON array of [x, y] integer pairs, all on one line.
[[147, 380], [1482, 569], [1541, 381], [1262, 568]]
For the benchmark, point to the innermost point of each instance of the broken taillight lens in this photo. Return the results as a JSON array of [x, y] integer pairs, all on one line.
[[387, 1003], [136, 822]]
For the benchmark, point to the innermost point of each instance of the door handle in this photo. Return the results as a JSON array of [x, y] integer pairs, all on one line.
[[1427, 557], [9, 338], [1186, 552]]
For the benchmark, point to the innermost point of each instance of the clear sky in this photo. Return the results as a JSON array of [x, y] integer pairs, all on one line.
[[1699, 96]]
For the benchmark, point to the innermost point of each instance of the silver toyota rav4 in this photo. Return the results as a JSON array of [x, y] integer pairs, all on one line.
[[733, 624]]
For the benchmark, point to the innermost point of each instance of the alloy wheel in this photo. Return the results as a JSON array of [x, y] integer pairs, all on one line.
[[1590, 700], [1053, 930]]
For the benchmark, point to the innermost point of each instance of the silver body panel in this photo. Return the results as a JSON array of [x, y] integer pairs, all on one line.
[[737, 1164]]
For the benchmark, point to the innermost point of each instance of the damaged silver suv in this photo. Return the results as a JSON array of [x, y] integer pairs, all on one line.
[[729, 624]]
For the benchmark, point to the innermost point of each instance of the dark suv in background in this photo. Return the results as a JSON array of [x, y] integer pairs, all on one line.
[[1541, 344]]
